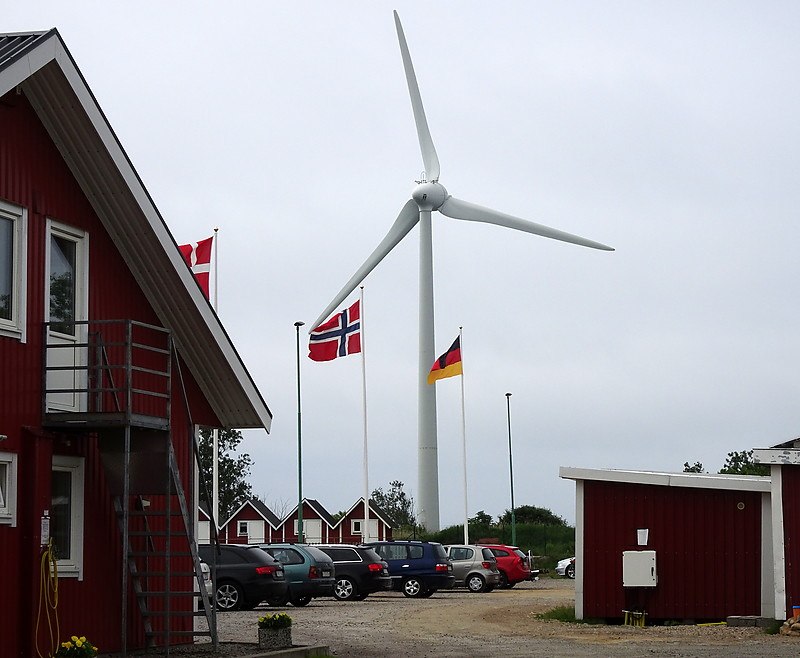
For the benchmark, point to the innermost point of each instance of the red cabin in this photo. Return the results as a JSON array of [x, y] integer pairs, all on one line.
[[349, 529], [677, 546], [110, 357], [252, 523]]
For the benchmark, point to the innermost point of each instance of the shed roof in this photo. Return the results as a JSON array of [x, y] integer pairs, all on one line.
[[691, 480], [39, 65]]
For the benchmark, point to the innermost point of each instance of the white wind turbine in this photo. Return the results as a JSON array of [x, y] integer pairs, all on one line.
[[430, 195]]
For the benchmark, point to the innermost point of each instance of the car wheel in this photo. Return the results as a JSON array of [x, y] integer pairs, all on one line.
[[412, 588], [428, 593], [503, 580], [476, 583], [569, 572], [300, 601], [277, 601], [229, 596], [345, 589]]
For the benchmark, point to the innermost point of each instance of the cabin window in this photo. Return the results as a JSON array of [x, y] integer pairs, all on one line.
[[355, 526], [13, 251], [66, 515], [8, 488], [243, 529]]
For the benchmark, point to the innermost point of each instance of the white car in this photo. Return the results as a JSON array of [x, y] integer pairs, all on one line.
[[566, 567]]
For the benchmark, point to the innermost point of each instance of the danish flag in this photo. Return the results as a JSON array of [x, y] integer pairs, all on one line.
[[198, 257]]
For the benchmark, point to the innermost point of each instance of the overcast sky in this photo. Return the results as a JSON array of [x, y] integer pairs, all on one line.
[[668, 130]]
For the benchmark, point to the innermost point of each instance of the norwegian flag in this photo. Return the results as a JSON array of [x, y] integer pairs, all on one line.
[[198, 257], [339, 336]]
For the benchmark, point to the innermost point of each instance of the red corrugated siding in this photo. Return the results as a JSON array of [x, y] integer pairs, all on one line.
[[790, 476], [708, 551], [34, 176]]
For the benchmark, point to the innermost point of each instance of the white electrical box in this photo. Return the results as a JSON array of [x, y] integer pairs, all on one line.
[[639, 569]]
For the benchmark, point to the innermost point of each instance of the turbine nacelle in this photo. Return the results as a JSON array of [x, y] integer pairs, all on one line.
[[429, 196]]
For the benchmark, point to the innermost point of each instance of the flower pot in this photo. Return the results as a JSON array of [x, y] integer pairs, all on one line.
[[274, 638]]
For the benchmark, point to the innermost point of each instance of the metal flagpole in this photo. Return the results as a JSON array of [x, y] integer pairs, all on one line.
[[365, 530], [297, 326], [215, 431], [464, 438], [511, 474]]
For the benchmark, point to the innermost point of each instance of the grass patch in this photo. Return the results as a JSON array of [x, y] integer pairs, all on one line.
[[566, 613], [773, 628]]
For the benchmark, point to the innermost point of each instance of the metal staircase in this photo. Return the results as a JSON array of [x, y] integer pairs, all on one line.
[[119, 381], [163, 565]]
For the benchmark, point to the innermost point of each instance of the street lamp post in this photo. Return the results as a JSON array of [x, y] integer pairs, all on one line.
[[511, 474], [297, 326]]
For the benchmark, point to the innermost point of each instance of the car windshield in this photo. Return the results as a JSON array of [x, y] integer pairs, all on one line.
[[438, 549], [520, 554]]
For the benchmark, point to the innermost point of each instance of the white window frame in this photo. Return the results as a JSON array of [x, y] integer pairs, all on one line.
[[8, 505], [73, 568], [239, 532], [16, 327], [355, 526]]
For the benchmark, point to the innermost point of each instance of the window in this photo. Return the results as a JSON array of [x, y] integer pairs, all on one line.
[[66, 515], [13, 267], [242, 529], [355, 526], [8, 488]]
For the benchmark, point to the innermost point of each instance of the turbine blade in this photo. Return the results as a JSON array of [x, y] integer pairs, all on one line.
[[471, 212], [429, 156], [406, 220]]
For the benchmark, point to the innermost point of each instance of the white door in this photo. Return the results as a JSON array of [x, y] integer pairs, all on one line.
[[312, 529], [66, 301]]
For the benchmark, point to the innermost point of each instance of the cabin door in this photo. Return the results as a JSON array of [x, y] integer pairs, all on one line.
[[66, 302]]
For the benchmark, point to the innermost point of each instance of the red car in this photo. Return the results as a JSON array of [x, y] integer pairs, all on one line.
[[512, 563]]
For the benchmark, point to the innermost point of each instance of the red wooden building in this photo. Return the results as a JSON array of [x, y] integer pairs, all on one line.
[[349, 529], [317, 523], [705, 542], [784, 461], [110, 356], [252, 523]]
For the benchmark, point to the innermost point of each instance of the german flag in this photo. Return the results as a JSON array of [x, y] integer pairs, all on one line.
[[447, 365]]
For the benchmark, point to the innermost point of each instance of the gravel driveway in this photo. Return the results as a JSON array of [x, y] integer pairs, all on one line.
[[501, 623]]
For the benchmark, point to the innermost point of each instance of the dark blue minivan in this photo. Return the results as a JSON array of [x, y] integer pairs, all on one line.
[[417, 568]]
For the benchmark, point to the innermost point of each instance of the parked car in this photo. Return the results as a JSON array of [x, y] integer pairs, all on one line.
[[566, 567], [512, 563], [359, 571], [246, 575], [417, 568], [309, 572], [207, 583], [474, 567]]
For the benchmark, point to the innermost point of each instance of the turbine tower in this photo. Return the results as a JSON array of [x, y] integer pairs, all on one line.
[[430, 195]]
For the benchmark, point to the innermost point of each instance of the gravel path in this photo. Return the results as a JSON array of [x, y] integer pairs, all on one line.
[[456, 623]]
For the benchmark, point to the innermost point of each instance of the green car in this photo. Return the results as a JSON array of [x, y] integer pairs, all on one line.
[[309, 572]]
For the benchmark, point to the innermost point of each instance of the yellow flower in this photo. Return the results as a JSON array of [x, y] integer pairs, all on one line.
[[79, 644], [82, 638], [74, 638]]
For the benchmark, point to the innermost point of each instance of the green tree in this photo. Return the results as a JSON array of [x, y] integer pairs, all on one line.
[[741, 463], [532, 514], [396, 503], [234, 469], [697, 467], [481, 518]]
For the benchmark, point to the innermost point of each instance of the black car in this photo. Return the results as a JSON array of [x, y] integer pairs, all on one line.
[[359, 571], [417, 568], [246, 575]]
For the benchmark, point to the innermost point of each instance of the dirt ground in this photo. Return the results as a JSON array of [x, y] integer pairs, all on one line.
[[500, 623]]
